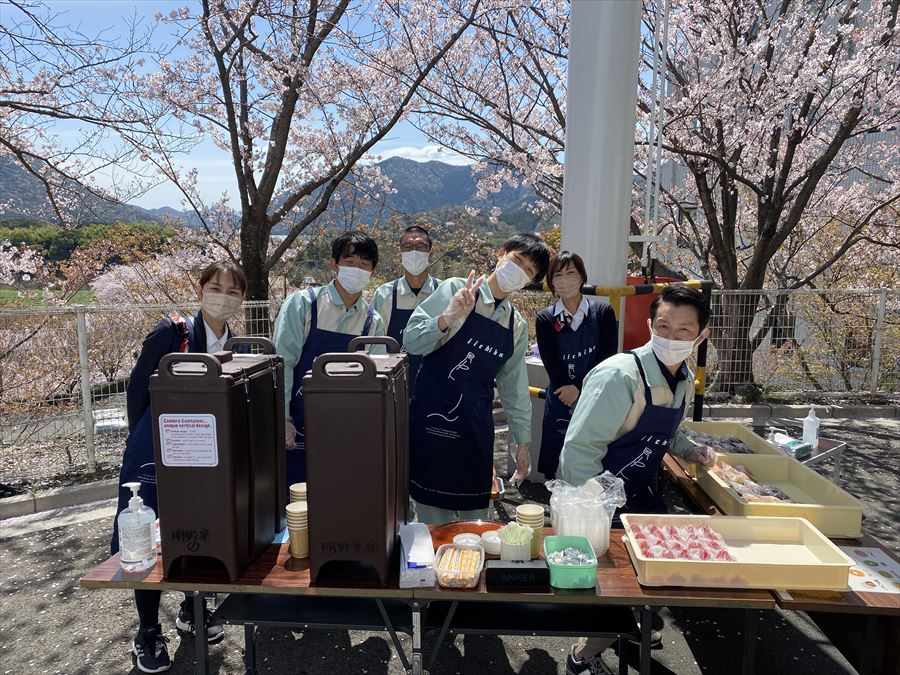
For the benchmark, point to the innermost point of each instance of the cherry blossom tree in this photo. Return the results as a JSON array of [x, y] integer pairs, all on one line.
[[295, 94], [779, 113], [780, 126], [500, 100], [65, 99]]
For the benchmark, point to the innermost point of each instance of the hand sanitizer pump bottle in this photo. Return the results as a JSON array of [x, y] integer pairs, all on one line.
[[137, 550], [811, 429]]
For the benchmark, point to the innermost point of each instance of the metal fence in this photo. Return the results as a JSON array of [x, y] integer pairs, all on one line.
[[63, 370], [63, 373], [805, 340]]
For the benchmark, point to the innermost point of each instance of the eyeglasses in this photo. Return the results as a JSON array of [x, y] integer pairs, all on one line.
[[421, 247]]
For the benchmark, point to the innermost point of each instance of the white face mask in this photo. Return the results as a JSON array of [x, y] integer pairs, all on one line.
[[353, 279], [671, 352], [511, 277], [219, 306], [414, 262]]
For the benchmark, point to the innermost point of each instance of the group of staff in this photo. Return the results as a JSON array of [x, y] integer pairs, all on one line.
[[604, 411]]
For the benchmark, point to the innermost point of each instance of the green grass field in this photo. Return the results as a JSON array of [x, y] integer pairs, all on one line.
[[9, 297]]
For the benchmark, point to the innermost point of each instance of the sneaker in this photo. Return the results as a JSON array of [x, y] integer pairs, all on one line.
[[149, 647], [185, 622], [590, 666]]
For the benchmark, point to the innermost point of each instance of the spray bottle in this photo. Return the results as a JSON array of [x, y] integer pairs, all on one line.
[[137, 548]]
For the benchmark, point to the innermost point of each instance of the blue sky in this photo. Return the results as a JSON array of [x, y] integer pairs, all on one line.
[[94, 16]]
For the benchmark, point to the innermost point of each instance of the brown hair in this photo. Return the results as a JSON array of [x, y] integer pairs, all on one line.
[[562, 260], [226, 268]]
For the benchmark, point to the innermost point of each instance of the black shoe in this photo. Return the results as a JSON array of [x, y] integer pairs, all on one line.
[[149, 647], [594, 665], [655, 638], [185, 622]]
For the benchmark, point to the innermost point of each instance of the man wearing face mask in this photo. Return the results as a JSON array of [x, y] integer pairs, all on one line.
[[627, 418], [396, 300], [319, 320], [221, 291], [469, 336], [631, 404]]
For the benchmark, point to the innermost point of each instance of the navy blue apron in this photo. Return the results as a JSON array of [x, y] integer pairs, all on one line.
[[635, 456], [579, 351], [318, 342], [451, 435], [138, 462], [399, 319]]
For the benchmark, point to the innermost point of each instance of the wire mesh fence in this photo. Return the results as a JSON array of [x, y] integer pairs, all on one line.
[[63, 375], [805, 340], [64, 370]]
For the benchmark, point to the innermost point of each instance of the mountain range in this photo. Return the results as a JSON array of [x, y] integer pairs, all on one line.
[[419, 187]]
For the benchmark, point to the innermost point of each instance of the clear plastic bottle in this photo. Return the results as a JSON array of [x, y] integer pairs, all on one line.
[[811, 429], [137, 549]]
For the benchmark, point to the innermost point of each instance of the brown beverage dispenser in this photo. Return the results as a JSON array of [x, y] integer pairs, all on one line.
[[266, 433], [357, 426], [219, 456]]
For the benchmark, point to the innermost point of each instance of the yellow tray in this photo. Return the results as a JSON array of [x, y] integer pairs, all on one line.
[[756, 443], [834, 512], [770, 553]]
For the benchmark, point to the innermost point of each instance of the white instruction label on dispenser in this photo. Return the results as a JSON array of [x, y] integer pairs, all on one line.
[[188, 440]]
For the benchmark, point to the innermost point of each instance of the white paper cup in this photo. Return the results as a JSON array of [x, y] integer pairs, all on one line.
[[530, 523], [530, 512], [299, 538], [296, 511], [298, 492]]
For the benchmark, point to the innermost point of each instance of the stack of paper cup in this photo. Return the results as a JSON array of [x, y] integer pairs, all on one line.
[[298, 492], [532, 515], [298, 529]]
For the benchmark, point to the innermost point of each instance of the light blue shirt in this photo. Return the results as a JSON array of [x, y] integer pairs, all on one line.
[[293, 322], [422, 336], [406, 299], [611, 403]]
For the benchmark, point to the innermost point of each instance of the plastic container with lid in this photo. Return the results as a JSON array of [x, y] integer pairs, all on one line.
[[570, 576], [458, 566]]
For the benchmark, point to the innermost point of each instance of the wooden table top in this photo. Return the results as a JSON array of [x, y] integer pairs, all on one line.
[[695, 493], [277, 573], [617, 584], [274, 572], [805, 601], [850, 602]]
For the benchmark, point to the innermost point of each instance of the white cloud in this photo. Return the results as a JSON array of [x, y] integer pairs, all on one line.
[[426, 153]]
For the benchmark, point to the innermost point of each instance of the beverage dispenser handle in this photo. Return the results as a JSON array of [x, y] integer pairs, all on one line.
[[265, 344], [212, 363], [392, 345], [323, 360]]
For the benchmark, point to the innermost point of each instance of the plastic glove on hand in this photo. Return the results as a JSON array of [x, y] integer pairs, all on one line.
[[290, 434], [701, 454], [462, 302], [523, 465]]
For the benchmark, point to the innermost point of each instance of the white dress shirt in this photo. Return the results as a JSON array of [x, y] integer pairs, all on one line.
[[578, 317]]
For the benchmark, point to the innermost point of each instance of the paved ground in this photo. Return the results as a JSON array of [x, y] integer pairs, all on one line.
[[50, 625]]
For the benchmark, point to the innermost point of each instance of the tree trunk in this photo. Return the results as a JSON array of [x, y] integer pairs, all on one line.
[[254, 240]]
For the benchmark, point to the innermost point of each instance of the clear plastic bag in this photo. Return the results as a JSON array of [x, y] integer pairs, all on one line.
[[587, 510]]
